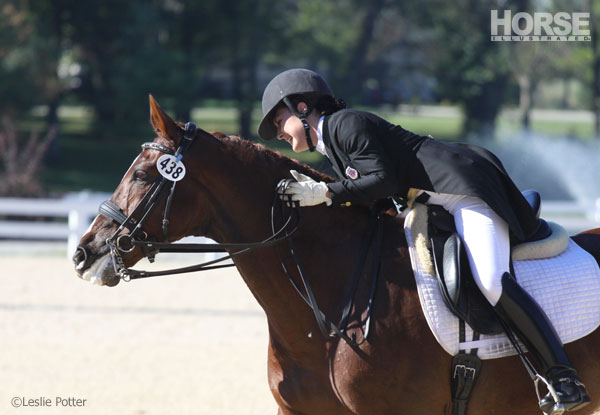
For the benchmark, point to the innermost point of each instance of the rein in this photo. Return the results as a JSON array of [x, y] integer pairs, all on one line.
[[126, 242], [150, 250], [327, 328]]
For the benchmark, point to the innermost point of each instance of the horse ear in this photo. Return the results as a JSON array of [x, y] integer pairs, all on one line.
[[162, 123]]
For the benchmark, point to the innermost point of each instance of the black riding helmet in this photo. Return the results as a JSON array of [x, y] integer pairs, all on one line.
[[303, 84]]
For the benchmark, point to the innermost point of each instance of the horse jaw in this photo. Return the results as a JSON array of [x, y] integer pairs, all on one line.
[[101, 272]]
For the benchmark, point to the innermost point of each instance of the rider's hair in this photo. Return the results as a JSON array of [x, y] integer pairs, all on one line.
[[323, 104], [326, 104]]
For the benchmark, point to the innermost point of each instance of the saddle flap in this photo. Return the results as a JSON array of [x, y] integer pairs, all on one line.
[[452, 267], [459, 290], [444, 247]]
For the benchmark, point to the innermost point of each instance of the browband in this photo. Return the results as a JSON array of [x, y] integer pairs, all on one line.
[[158, 147]]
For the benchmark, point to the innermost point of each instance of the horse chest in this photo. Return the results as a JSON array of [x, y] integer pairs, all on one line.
[[343, 383], [302, 388]]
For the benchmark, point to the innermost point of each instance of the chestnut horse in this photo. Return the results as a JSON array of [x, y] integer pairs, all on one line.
[[401, 369]]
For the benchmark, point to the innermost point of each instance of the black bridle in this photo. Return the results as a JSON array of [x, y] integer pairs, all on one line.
[[126, 242], [120, 242], [290, 214]]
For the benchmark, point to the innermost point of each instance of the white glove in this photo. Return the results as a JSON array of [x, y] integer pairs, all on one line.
[[307, 191]]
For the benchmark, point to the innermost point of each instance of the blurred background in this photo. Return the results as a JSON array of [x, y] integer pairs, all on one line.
[[75, 76], [74, 82]]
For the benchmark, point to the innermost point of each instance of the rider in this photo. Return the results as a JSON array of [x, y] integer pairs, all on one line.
[[374, 159]]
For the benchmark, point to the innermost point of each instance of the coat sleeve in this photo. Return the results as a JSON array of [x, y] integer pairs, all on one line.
[[357, 137]]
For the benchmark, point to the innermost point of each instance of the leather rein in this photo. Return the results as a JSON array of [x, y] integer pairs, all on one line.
[[126, 242]]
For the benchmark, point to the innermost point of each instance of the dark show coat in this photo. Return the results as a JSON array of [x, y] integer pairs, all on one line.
[[375, 159]]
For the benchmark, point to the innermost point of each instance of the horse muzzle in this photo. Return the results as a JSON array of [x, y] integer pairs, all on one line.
[[98, 271]]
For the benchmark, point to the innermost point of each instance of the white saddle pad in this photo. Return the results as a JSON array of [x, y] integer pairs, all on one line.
[[567, 287]]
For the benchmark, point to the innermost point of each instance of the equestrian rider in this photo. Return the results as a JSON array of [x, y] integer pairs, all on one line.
[[374, 159]]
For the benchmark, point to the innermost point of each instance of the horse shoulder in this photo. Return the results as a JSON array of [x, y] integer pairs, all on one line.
[[300, 385]]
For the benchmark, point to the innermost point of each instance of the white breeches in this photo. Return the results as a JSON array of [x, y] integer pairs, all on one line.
[[486, 239]]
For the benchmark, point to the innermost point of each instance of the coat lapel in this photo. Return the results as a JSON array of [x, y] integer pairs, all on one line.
[[333, 152]]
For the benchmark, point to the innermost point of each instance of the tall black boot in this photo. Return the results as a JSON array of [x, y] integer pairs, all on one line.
[[521, 313]]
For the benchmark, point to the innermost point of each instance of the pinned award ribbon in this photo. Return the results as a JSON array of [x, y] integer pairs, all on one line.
[[351, 173], [170, 167]]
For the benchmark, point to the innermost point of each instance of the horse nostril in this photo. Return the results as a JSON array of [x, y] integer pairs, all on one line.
[[80, 255]]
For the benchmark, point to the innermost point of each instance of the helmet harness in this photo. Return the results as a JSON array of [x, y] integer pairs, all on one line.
[[302, 115]]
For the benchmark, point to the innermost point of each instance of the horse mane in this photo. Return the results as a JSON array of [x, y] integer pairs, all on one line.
[[252, 152], [276, 164]]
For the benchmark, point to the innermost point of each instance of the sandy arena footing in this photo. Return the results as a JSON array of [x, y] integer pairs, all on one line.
[[193, 344]]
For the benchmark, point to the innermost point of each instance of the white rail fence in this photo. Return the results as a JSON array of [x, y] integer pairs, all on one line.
[[49, 219], [68, 218], [65, 219], [574, 216]]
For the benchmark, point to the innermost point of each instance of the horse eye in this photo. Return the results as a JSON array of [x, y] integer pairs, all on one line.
[[140, 175]]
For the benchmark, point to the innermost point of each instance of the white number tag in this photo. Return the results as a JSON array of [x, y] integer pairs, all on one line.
[[169, 167]]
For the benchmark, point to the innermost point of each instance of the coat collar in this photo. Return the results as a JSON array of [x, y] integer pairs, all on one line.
[[332, 149]]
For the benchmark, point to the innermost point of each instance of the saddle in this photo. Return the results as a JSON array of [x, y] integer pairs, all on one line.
[[442, 274], [451, 265]]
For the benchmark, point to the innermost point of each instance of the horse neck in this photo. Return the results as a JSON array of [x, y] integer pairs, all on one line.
[[242, 197], [236, 182]]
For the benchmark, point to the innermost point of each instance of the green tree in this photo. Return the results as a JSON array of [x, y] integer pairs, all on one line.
[[23, 59], [334, 37], [261, 35], [471, 70], [30, 53], [250, 27], [120, 47]]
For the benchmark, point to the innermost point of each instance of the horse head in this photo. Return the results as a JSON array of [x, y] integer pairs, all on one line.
[[189, 213], [227, 180]]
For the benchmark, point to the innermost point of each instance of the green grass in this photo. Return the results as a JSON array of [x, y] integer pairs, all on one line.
[[88, 162], [83, 164], [441, 128], [84, 161], [559, 128], [216, 119]]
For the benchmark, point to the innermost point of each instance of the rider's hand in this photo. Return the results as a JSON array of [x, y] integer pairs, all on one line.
[[307, 191]]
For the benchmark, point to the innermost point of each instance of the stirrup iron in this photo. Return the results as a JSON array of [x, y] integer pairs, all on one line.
[[558, 408]]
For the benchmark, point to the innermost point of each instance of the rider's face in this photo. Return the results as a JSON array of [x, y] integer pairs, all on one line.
[[290, 128]]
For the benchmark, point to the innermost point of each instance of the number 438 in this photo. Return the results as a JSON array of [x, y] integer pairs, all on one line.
[[169, 168]]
